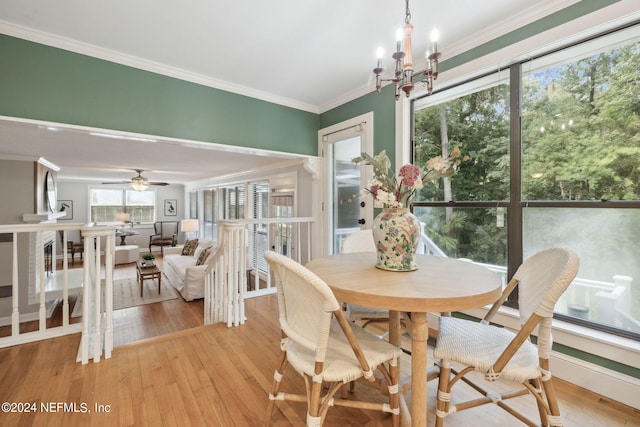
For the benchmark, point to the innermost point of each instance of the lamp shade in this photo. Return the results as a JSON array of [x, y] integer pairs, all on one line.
[[122, 217], [189, 225]]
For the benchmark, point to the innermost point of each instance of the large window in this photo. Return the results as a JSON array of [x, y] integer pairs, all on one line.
[[209, 214], [258, 232], [555, 163], [106, 203], [233, 202]]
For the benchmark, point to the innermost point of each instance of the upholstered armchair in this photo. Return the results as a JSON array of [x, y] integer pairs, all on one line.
[[165, 234], [75, 247]]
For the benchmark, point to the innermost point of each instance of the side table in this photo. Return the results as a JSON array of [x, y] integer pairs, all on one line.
[[145, 273]]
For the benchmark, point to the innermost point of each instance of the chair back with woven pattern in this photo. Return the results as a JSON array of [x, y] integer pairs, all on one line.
[[305, 303], [542, 279], [360, 241]]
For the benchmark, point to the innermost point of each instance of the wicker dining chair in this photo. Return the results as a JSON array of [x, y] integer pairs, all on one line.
[[325, 348], [506, 356]]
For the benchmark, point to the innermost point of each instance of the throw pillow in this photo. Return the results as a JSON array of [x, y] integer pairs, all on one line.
[[189, 247], [203, 257]]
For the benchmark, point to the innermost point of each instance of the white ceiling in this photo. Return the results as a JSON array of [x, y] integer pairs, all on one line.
[[311, 55]]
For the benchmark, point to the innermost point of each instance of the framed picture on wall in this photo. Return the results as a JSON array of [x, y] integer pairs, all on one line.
[[65, 206], [170, 207]]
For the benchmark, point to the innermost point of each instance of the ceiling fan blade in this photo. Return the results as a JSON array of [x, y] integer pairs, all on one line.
[[158, 183], [117, 182]]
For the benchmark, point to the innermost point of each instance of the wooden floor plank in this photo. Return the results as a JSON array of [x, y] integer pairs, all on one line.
[[212, 376]]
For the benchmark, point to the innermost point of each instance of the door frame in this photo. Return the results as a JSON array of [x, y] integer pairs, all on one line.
[[365, 122]]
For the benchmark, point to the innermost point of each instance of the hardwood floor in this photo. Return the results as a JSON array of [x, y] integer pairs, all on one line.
[[185, 374]]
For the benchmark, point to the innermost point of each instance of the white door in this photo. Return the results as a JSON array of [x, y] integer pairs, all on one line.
[[344, 210]]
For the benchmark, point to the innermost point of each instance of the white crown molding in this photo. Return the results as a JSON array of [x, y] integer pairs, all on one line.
[[537, 11], [48, 164], [243, 176], [616, 15], [146, 65]]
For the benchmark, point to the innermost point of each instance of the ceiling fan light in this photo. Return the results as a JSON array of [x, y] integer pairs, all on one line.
[[139, 185]]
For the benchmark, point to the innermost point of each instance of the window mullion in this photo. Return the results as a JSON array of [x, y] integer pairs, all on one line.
[[514, 215]]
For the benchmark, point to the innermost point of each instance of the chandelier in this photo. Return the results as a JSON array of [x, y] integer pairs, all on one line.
[[403, 76]]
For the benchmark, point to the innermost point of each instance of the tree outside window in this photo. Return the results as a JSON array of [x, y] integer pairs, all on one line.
[[561, 170]]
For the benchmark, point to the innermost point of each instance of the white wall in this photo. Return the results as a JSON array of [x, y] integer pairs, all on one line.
[[17, 192], [78, 193]]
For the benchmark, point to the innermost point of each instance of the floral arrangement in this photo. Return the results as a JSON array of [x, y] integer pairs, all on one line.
[[395, 192], [148, 256]]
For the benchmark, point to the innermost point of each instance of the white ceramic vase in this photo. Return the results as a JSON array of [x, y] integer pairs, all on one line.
[[396, 232]]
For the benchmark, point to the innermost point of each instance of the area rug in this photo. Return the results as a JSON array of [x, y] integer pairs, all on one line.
[[126, 293]]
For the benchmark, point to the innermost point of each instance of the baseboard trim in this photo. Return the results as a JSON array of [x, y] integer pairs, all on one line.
[[614, 385]]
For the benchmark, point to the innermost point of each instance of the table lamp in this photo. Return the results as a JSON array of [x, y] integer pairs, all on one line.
[[189, 226], [123, 217]]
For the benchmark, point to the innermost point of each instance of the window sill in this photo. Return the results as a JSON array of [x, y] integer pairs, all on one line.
[[598, 343]]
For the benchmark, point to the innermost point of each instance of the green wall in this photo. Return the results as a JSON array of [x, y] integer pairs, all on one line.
[[548, 22], [383, 105], [44, 83]]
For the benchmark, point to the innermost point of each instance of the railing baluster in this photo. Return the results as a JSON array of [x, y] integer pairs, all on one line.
[[15, 312], [96, 303], [65, 291], [42, 312], [108, 296], [84, 340]]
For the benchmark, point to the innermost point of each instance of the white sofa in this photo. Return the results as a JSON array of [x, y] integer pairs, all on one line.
[[182, 272]]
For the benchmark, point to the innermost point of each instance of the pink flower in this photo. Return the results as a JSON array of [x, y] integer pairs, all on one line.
[[409, 174]]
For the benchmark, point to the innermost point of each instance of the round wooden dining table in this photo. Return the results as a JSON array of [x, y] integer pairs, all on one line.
[[438, 285]]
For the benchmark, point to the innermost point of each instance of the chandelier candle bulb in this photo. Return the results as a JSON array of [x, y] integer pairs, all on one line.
[[435, 35], [379, 54]]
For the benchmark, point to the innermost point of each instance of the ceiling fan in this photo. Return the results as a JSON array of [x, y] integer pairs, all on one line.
[[139, 183]]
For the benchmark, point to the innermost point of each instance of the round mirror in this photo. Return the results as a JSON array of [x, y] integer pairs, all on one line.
[[50, 191]]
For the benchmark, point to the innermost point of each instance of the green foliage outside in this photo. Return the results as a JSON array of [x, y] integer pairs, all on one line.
[[580, 126]]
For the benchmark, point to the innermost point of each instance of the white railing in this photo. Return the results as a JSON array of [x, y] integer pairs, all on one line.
[[38, 287], [226, 282], [608, 303], [97, 315], [238, 256], [426, 245]]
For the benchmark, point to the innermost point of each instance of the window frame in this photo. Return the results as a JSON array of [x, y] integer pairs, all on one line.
[[124, 206], [515, 205]]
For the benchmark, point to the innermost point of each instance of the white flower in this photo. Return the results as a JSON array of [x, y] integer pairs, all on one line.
[[418, 184], [388, 199]]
